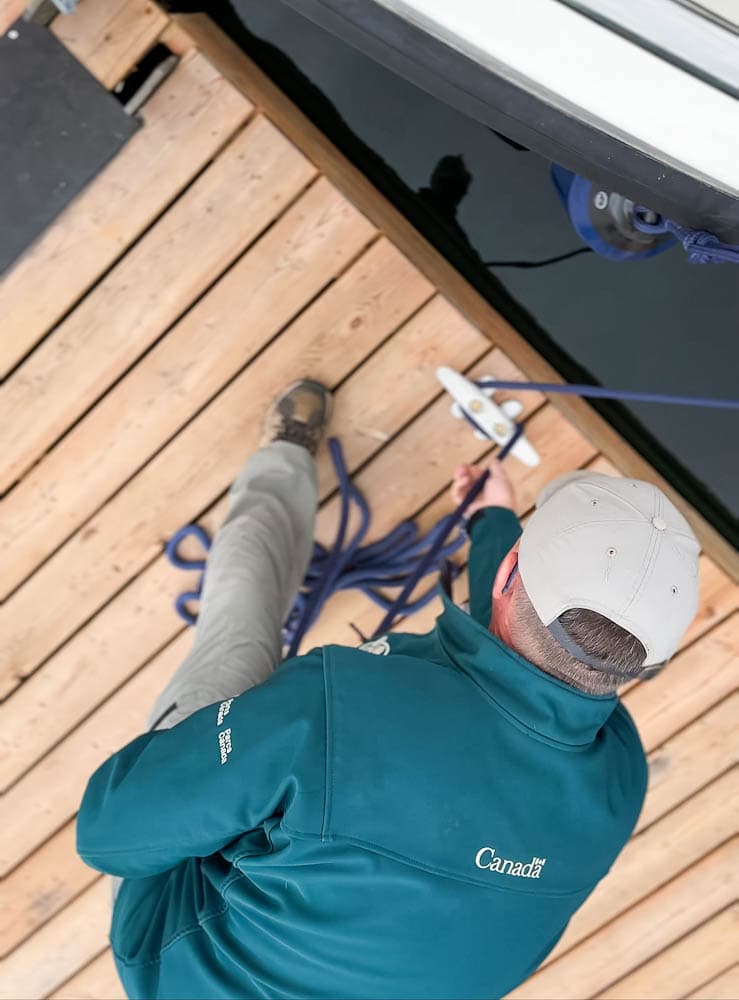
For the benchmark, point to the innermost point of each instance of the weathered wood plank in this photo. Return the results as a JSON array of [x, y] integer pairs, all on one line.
[[69, 941], [692, 758], [101, 656], [641, 933], [96, 661], [673, 843], [299, 255], [97, 981], [723, 987], [41, 886], [398, 382], [718, 597], [247, 187], [110, 36], [685, 965], [245, 75], [48, 795], [183, 479], [698, 678], [186, 122]]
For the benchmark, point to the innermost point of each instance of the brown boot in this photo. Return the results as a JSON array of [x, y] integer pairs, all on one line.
[[299, 415]]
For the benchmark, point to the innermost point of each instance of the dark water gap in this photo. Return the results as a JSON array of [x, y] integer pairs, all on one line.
[[657, 325]]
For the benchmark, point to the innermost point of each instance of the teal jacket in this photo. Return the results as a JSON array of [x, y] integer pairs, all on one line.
[[418, 818]]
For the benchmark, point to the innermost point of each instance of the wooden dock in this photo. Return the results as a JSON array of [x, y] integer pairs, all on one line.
[[226, 250]]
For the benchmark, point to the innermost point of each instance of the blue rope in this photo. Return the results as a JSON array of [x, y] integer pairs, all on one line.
[[173, 554], [700, 246], [399, 559], [598, 392], [402, 558]]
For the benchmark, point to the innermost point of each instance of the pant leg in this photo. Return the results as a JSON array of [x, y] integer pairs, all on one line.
[[256, 564]]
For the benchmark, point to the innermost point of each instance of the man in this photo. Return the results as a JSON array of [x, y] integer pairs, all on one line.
[[419, 817]]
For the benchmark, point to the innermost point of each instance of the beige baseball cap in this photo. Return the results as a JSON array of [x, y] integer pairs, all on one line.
[[616, 546]]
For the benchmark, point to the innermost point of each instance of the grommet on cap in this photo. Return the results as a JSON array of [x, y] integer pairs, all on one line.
[[659, 523]]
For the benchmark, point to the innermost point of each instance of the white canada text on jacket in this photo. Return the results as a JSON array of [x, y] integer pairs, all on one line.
[[487, 858]]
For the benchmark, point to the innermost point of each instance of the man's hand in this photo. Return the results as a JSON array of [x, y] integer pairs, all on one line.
[[497, 492]]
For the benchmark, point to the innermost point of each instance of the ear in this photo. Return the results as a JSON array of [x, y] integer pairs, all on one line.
[[507, 566]]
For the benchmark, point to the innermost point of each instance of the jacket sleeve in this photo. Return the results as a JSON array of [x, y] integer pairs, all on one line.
[[188, 791], [493, 531]]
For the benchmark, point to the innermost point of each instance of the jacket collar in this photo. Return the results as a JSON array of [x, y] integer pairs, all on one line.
[[542, 705]]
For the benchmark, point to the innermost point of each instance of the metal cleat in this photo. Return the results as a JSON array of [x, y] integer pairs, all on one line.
[[490, 421]]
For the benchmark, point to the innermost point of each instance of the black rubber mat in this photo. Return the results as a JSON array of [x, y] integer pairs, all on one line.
[[58, 128]]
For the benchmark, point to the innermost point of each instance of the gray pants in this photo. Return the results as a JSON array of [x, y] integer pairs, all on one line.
[[257, 562]]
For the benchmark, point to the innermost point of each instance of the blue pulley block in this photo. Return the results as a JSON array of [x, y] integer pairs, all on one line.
[[604, 220]]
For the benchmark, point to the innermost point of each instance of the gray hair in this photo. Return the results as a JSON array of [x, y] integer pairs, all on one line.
[[593, 633]]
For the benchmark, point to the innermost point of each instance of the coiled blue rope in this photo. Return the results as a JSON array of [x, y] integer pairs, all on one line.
[[172, 552], [401, 559]]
